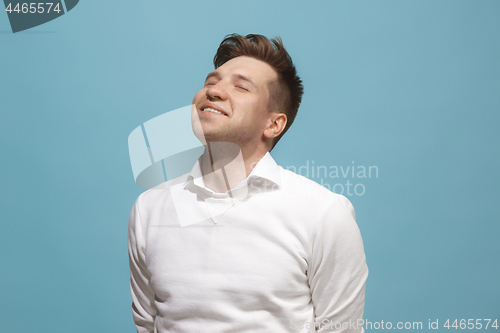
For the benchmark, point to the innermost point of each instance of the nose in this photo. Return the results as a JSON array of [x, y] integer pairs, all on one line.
[[217, 91]]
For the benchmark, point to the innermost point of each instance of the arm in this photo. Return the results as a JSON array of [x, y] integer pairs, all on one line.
[[143, 306], [338, 271]]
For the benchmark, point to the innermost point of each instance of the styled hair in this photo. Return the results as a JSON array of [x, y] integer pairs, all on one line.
[[285, 93]]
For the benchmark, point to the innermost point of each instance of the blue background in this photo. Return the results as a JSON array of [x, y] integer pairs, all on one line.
[[412, 87]]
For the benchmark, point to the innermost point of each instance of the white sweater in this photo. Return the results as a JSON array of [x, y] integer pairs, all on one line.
[[279, 253]]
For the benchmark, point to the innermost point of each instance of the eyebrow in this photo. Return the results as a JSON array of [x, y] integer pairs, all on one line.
[[245, 78], [212, 74], [236, 76]]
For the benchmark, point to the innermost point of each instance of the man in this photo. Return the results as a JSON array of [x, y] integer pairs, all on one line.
[[239, 244]]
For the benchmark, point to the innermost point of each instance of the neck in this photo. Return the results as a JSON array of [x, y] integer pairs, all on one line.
[[224, 165]]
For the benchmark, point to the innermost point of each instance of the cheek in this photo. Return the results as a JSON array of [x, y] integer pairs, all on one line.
[[199, 95], [262, 113], [253, 106]]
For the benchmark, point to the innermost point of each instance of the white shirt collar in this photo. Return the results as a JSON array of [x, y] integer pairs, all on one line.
[[266, 170]]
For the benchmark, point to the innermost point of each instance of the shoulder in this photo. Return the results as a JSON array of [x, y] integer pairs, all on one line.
[[329, 216], [316, 199], [313, 193]]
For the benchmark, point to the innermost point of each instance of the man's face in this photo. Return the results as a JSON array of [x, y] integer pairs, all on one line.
[[233, 104]]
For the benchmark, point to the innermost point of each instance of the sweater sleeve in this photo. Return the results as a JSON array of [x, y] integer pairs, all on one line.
[[338, 271], [143, 296]]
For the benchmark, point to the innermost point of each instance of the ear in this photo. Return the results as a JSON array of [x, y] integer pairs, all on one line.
[[276, 125]]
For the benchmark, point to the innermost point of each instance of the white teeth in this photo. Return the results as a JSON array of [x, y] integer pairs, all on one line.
[[212, 110]]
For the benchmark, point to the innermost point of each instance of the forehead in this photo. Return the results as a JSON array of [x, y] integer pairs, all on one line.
[[258, 70]]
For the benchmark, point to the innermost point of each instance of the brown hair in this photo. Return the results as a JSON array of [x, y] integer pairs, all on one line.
[[286, 92]]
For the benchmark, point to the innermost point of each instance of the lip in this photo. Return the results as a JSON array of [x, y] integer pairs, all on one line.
[[212, 106]]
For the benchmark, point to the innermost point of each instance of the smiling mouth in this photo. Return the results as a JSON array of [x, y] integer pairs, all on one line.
[[214, 111]]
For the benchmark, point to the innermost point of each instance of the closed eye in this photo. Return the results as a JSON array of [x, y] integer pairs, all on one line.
[[241, 87]]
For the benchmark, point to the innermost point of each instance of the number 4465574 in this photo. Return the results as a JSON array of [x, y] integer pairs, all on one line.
[[33, 8], [471, 324]]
